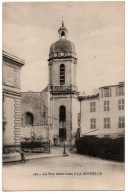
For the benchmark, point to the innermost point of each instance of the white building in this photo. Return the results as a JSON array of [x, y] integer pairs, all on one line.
[[11, 66], [103, 113]]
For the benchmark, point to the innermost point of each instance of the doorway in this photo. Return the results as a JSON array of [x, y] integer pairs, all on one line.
[[62, 134]]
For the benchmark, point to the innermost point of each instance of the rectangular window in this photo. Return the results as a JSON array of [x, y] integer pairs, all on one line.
[[121, 122], [119, 90], [107, 92], [102, 93], [106, 106], [121, 104], [106, 122], [92, 106], [93, 123]]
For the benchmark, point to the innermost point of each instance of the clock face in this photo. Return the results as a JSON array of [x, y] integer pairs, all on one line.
[[61, 53]]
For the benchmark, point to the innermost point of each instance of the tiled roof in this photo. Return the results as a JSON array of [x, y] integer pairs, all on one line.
[[90, 97], [62, 45]]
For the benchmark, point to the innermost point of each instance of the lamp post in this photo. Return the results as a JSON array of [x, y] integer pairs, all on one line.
[[64, 148], [49, 147]]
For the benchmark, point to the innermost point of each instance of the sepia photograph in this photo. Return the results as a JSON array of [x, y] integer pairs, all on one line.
[[63, 96]]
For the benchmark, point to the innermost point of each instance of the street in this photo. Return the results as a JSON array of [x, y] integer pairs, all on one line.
[[75, 171]]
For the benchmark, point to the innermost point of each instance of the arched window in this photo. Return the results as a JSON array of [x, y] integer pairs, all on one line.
[[62, 114], [62, 74], [29, 118], [62, 33]]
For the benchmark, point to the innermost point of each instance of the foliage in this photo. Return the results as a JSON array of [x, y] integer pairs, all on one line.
[[107, 148]]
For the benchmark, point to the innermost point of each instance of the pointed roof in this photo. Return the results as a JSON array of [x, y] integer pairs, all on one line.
[[62, 27], [62, 23]]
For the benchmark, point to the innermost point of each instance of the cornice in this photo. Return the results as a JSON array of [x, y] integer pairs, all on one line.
[[12, 59]]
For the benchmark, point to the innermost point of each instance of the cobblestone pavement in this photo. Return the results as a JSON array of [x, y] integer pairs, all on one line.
[[16, 156], [74, 171]]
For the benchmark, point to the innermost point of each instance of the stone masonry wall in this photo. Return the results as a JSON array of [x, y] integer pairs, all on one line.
[[11, 75], [11, 67], [17, 121], [70, 72], [37, 104]]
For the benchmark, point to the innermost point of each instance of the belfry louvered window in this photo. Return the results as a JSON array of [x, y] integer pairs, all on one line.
[[62, 74]]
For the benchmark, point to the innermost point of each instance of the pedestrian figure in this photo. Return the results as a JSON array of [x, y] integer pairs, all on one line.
[[22, 156]]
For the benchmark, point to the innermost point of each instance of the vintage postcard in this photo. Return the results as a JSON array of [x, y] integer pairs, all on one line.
[[63, 95]]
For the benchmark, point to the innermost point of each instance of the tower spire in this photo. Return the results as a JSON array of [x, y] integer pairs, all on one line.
[[62, 22], [62, 31]]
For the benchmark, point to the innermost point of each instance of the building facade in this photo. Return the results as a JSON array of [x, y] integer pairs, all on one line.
[[34, 115], [58, 113], [103, 113], [63, 90], [11, 67], [59, 97]]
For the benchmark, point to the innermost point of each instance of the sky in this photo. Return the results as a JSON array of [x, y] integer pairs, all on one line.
[[96, 28]]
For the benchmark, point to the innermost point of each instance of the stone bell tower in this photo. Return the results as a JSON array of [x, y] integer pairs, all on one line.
[[63, 89]]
